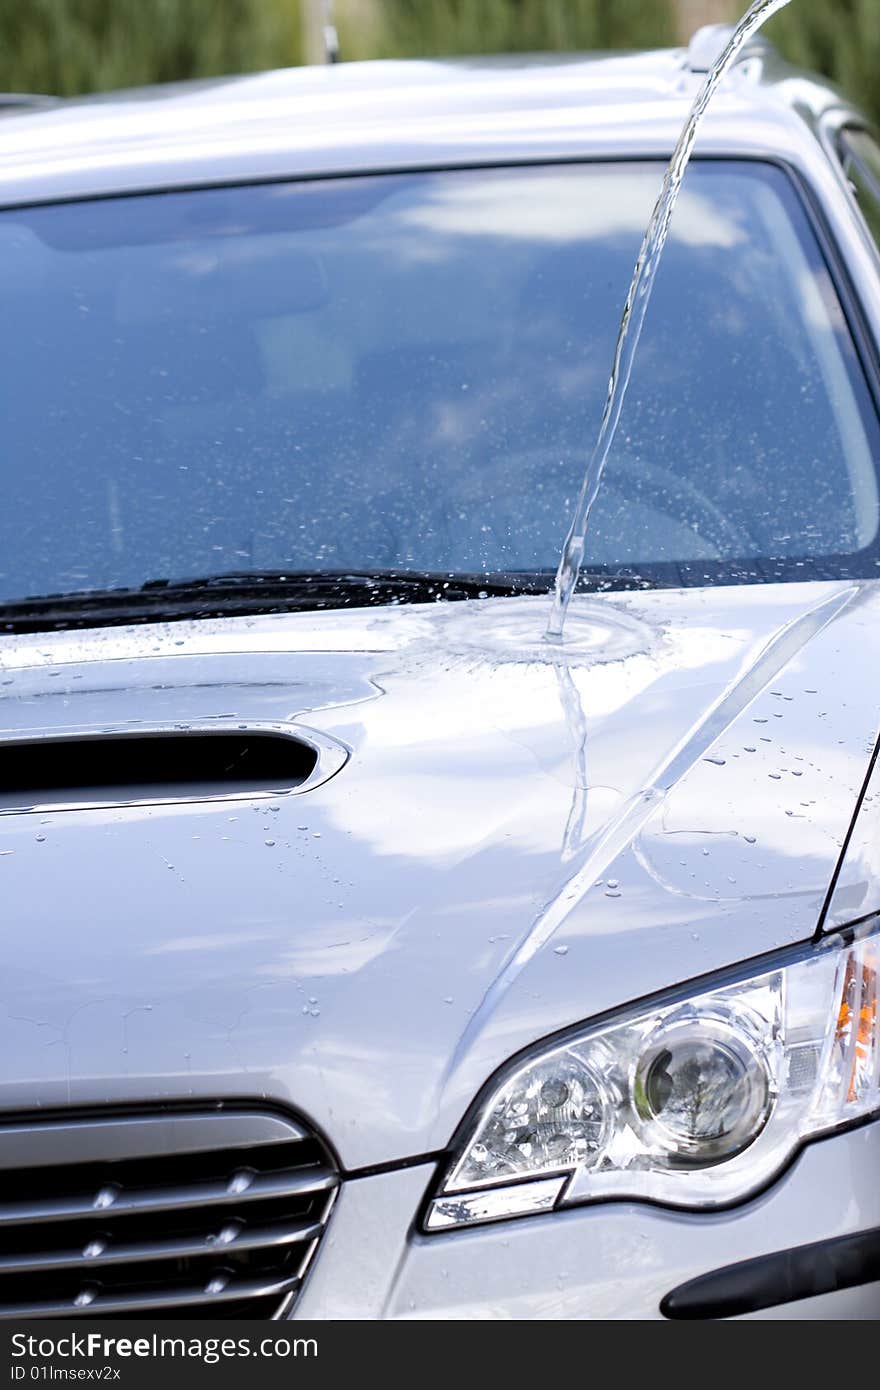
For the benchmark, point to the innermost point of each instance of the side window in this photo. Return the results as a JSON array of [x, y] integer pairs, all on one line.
[[860, 155]]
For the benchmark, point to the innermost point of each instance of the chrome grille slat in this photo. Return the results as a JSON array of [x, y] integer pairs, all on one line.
[[288, 1183], [261, 1238], [206, 1214], [141, 1136], [178, 1298]]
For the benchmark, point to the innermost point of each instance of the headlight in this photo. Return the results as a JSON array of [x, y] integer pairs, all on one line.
[[694, 1101]]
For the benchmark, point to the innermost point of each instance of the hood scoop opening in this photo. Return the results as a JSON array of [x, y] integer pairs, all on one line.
[[157, 766]]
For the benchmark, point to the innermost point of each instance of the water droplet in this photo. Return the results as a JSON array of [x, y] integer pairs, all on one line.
[[94, 1249], [775, 775], [217, 1284], [105, 1198], [85, 1297], [610, 893], [40, 839], [269, 843], [750, 839], [560, 950], [718, 762]]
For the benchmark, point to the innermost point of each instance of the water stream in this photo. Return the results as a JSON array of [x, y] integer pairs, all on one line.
[[634, 315]]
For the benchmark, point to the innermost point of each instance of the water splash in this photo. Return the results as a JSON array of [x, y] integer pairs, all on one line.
[[633, 319], [502, 631]]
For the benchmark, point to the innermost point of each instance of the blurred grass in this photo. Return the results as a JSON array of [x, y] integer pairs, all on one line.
[[443, 27], [70, 46], [840, 38]]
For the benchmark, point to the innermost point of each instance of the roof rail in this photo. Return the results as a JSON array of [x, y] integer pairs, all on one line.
[[709, 42]]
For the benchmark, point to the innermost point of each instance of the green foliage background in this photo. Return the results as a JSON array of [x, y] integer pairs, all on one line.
[[73, 46], [434, 27], [840, 38]]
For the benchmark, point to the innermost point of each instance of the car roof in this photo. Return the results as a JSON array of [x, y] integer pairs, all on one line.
[[368, 116]]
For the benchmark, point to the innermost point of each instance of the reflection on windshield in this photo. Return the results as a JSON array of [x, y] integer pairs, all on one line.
[[401, 373]]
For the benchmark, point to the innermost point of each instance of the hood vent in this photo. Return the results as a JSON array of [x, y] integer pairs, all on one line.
[[160, 765]]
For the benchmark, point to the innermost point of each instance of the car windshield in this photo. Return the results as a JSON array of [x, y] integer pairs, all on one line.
[[405, 372]]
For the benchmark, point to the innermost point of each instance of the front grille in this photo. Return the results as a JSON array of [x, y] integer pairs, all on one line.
[[208, 1214]]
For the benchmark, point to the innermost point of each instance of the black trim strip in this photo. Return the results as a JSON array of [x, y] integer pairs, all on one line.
[[845, 1262], [394, 1165]]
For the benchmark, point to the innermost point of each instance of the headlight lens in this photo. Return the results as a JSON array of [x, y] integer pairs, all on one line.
[[693, 1101], [703, 1088]]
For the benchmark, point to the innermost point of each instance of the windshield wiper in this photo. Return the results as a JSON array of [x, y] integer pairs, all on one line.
[[253, 592], [242, 592]]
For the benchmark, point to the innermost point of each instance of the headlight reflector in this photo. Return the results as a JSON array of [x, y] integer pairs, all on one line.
[[555, 1116], [702, 1088], [692, 1101]]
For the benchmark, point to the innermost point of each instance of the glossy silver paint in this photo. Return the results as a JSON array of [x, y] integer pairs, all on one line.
[[368, 951]]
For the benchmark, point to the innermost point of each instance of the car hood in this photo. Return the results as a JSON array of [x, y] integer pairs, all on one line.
[[520, 838]]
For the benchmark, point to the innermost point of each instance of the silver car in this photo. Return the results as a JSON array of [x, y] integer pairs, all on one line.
[[366, 955]]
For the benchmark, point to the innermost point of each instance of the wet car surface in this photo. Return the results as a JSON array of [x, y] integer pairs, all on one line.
[[469, 845]]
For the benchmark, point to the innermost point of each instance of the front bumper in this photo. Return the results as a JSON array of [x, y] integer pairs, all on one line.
[[607, 1261]]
